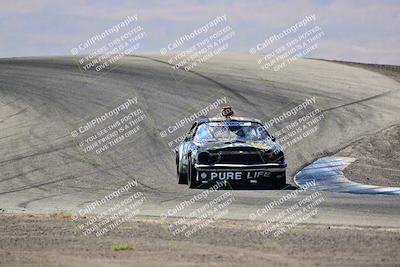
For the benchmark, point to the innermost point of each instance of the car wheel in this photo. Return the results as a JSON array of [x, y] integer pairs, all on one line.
[[182, 177], [192, 173], [280, 183]]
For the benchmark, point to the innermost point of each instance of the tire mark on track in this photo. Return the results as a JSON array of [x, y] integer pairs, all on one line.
[[26, 203], [223, 86], [358, 101], [21, 174], [40, 153], [13, 115], [38, 185]]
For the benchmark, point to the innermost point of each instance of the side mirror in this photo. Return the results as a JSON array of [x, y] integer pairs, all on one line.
[[273, 138], [187, 137]]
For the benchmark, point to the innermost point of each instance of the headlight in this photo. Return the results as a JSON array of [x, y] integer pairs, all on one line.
[[204, 157], [280, 157], [275, 157]]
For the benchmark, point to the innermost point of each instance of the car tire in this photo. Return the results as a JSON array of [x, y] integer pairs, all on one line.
[[182, 177], [280, 183], [191, 176]]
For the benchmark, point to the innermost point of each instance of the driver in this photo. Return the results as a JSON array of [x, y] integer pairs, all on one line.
[[205, 133]]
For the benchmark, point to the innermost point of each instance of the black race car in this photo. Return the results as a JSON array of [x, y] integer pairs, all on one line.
[[233, 149]]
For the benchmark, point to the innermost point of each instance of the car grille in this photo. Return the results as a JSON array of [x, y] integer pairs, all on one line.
[[241, 158]]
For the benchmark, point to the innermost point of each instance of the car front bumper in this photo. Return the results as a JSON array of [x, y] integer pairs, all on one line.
[[247, 173]]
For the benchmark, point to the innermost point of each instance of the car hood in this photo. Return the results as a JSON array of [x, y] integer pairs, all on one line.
[[265, 145]]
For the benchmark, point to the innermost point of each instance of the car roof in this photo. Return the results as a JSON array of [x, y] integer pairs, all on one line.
[[233, 118]]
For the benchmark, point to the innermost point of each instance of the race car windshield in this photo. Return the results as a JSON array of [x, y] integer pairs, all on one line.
[[230, 132]]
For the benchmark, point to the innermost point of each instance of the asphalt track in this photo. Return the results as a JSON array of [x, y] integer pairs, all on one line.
[[42, 99]]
